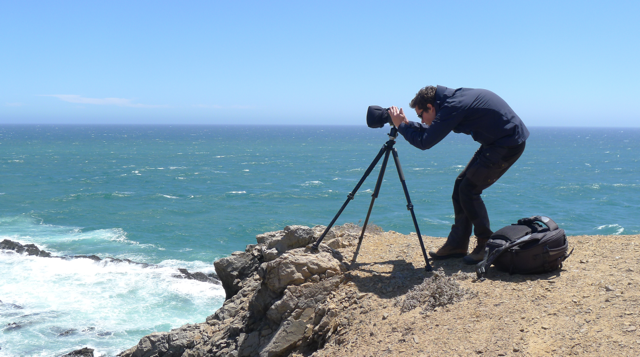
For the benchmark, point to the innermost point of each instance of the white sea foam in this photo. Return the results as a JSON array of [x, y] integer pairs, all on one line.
[[312, 183], [237, 192], [169, 196], [95, 300], [613, 229]]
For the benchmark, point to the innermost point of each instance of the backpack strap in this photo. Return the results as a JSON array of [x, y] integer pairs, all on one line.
[[490, 257]]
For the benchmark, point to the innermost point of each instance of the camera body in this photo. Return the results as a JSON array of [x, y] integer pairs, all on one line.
[[378, 116]]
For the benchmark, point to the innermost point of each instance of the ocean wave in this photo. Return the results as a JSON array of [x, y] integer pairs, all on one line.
[[96, 300], [168, 196], [312, 183], [236, 192], [611, 229]]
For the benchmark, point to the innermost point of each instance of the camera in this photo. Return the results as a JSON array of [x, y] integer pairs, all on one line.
[[378, 116]]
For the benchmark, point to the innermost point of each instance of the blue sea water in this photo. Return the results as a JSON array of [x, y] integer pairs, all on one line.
[[184, 196]]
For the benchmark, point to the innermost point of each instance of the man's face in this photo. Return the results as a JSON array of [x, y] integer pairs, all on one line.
[[427, 116]]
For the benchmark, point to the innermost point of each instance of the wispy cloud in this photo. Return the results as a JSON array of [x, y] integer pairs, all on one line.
[[13, 104], [120, 102]]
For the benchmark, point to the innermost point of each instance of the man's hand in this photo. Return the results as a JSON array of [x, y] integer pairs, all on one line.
[[397, 116]]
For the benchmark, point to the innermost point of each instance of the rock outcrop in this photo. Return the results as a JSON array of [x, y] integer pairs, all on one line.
[[276, 300], [28, 249], [83, 352], [32, 249]]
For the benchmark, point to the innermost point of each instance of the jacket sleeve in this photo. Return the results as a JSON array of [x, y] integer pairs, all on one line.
[[425, 137]]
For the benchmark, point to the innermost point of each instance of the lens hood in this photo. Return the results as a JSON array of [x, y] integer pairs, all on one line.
[[377, 116]]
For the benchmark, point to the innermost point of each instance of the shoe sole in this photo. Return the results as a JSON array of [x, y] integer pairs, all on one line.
[[470, 261], [449, 256]]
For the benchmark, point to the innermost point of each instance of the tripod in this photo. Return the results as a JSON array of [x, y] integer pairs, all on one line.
[[386, 149]]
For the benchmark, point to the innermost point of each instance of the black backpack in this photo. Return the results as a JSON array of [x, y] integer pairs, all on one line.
[[533, 245]]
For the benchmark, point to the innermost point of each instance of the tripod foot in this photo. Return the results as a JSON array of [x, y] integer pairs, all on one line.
[[428, 268]]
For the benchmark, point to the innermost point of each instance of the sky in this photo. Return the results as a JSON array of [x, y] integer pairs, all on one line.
[[557, 63]]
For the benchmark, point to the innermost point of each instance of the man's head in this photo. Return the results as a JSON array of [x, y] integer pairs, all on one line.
[[424, 104]]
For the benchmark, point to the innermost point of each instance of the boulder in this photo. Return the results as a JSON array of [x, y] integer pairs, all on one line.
[[29, 249], [294, 237], [232, 270], [83, 352], [297, 266], [289, 334]]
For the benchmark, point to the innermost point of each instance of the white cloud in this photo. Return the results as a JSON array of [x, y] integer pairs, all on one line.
[[13, 104], [120, 102]]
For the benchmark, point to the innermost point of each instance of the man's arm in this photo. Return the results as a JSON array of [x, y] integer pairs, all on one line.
[[425, 137]]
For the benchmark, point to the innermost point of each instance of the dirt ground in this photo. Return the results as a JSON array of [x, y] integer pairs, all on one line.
[[588, 308]]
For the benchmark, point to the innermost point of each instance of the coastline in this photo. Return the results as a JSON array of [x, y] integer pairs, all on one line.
[[589, 307]]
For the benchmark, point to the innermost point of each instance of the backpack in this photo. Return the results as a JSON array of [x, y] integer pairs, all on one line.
[[533, 245]]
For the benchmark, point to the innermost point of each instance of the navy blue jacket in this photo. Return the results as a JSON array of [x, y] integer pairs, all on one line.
[[476, 112]]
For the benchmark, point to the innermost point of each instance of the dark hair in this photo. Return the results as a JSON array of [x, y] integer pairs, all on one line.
[[426, 95]]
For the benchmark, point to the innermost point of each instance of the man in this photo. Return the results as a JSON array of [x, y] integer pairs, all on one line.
[[491, 122]]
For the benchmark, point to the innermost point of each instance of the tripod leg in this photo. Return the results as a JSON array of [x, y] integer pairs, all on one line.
[[351, 195], [373, 198], [410, 207]]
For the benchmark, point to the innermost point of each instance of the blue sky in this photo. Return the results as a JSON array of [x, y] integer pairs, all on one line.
[[557, 63]]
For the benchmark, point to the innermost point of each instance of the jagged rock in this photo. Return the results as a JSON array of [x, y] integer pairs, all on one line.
[[302, 297], [232, 270], [294, 237], [30, 249], [318, 230], [337, 243], [199, 276], [94, 257], [248, 344], [173, 343], [276, 301], [270, 254], [296, 266], [289, 334], [266, 238], [83, 352]]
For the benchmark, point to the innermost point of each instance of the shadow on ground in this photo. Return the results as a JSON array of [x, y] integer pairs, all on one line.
[[378, 279]]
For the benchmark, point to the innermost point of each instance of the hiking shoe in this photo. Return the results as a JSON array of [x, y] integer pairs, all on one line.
[[477, 255], [448, 251]]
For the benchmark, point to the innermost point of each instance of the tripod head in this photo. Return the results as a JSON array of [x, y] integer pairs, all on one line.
[[393, 133]]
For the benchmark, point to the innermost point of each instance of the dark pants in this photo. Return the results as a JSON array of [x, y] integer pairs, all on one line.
[[488, 164]]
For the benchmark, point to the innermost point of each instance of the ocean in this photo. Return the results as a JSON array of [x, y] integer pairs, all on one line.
[[183, 196]]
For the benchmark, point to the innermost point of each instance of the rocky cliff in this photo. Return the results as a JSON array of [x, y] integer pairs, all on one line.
[[286, 300], [276, 299]]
